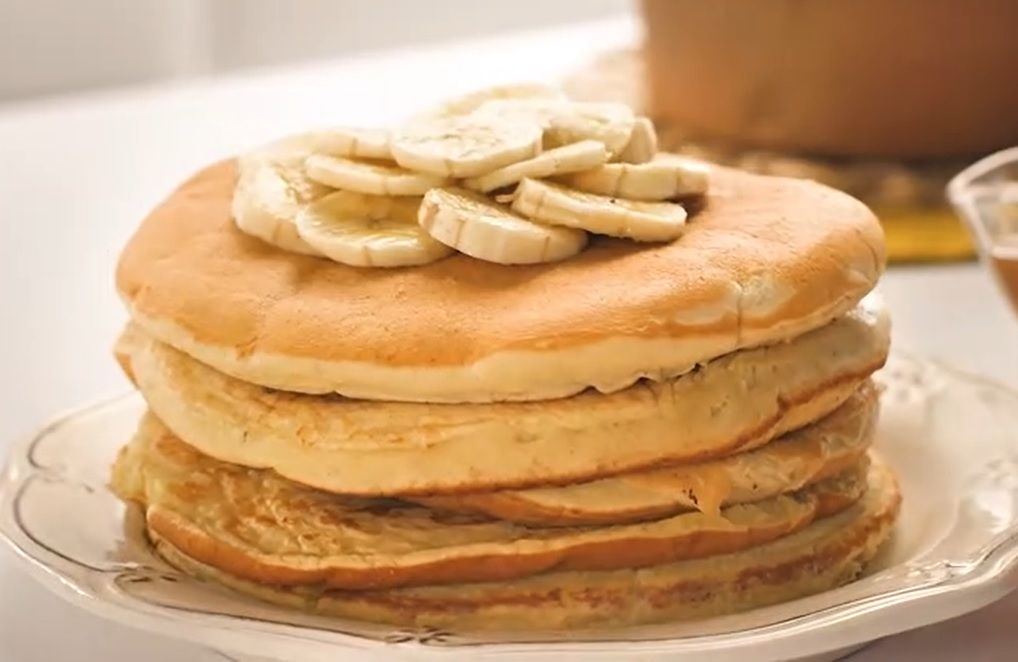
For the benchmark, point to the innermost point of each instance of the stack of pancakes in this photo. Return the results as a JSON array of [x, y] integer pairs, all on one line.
[[636, 434]]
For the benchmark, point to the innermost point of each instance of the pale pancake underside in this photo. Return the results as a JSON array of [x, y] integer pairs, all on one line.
[[831, 445], [825, 554], [258, 525], [734, 403]]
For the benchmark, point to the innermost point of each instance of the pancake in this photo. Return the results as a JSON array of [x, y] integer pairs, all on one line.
[[734, 403], [264, 528], [806, 456], [765, 259], [826, 554]]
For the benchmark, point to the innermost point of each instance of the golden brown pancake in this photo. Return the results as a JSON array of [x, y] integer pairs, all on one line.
[[733, 403], [256, 525], [828, 553], [811, 454], [766, 259]]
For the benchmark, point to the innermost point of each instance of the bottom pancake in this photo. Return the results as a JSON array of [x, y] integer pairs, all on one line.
[[258, 525], [826, 554]]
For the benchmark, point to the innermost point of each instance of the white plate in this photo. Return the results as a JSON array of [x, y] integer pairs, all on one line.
[[952, 438]]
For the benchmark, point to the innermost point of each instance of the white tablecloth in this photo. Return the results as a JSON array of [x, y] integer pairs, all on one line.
[[77, 174]]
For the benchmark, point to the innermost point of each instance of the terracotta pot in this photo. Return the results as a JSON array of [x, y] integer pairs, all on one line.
[[887, 78]]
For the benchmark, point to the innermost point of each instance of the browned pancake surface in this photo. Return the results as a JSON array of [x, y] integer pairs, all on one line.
[[765, 259], [257, 525], [826, 554]]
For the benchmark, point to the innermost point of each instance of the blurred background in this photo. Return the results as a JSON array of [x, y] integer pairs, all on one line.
[[56, 46]]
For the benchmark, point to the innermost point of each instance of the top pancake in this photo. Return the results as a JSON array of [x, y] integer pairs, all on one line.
[[766, 259]]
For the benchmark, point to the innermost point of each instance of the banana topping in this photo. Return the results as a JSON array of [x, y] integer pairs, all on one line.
[[482, 228], [368, 231], [516, 174], [615, 217], [564, 122], [667, 177], [465, 146], [377, 178], [576, 157], [354, 143], [642, 145], [272, 188]]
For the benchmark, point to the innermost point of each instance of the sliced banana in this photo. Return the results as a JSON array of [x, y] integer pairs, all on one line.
[[566, 122], [642, 145], [468, 103], [665, 178], [353, 142], [583, 155], [465, 146], [473, 224], [374, 178], [271, 190], [642, 221], [368, 231]]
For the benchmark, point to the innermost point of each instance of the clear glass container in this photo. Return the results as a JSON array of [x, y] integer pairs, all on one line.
[[985, 195]]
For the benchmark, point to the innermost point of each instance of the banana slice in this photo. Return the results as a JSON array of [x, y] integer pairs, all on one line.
[[642, 221], [468, 103], [566, 122], [373, 178], [465, 146], [353, 142], [271, 190], [665, 178], [368, 231], [583, 155], [473, 224], [642, 145]]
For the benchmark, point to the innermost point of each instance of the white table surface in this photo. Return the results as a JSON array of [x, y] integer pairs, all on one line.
[[77, 174]]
